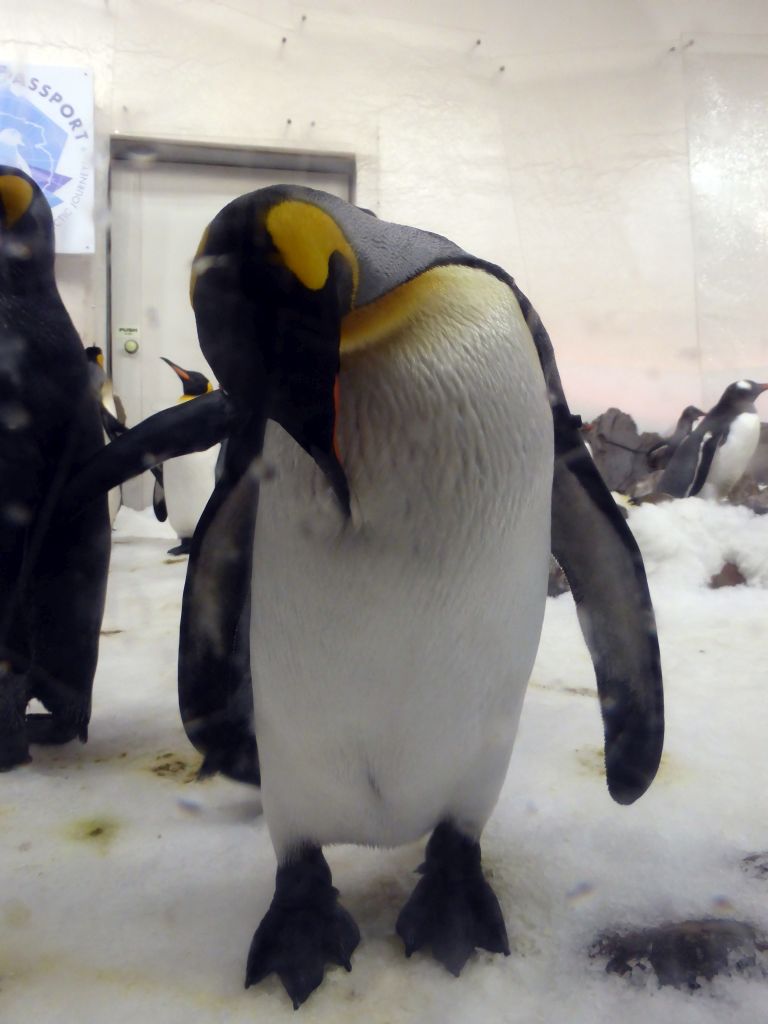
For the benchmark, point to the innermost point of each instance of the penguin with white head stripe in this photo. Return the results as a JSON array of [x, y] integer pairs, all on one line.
[[384, 606], [712, 459]]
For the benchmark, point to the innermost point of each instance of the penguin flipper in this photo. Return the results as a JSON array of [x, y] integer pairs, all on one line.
[[113, 428], [215, 693], [689, 466], [190, 427], [158, 495], [602, 561]]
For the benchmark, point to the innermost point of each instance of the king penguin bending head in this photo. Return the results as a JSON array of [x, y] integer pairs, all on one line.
[[386, 602]]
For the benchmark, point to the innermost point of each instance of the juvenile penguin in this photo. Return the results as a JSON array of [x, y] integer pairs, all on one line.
[[392, 405], [53, 570], [188, 480], [714, 457], [659, 454]]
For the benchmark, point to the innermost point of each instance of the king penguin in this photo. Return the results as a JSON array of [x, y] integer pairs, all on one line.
[[53, 569], [394, 414], [188, 480], [714, 457]]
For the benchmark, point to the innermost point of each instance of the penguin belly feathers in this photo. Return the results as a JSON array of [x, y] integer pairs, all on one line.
[[399, 460], [429, 610]]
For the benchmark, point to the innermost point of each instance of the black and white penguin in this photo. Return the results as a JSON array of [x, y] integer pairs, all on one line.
[[393, 409], [188, 480], [53, 570], [660, 454], [714, 457]]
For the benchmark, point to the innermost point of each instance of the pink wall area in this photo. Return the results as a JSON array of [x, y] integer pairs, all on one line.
[[610, 156]]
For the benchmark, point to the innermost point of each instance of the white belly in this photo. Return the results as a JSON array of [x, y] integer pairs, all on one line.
[[390, 656], [188, 482], [732, 458]]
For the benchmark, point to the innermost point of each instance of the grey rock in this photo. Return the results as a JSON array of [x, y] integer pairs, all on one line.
[[686, 953]]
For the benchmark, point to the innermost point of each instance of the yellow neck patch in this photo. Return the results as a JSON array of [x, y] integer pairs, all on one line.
[[306, 237], [380, 320], [16, 195], [188, 398]]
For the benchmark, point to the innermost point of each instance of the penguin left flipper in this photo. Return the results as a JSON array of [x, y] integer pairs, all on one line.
[[215, 691], [688, 468], [604, 567]]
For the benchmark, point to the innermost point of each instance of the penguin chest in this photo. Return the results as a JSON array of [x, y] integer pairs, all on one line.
[[188, 481], [390, 654], [732, 457]]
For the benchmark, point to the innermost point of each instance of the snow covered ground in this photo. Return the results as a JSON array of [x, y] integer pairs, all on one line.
[[129, 892]]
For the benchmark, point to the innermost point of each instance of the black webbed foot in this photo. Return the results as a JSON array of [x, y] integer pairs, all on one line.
[[452, 909], [304, 929], [182, 548], [53, 730]]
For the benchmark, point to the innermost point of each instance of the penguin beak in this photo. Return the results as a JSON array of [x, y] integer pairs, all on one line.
[[180, 373], [307, 408]]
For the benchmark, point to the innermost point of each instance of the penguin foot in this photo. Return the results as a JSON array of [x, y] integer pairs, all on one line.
[[452, 909], [51, 730], [304, 929], [182, 548]]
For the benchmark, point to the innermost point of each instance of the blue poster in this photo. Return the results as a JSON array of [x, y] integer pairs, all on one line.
[[46, 118]]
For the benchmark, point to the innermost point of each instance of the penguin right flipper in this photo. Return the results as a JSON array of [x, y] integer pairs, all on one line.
[[215, 692], [688, 468], [601, 559]]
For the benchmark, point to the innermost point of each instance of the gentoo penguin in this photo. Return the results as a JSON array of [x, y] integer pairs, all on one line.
[[393, 408], [714, 457], [188, 480], [53, 571], [102, 389], [660, 453]]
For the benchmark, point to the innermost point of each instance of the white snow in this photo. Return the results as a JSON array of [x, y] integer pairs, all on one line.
[[150, 918]]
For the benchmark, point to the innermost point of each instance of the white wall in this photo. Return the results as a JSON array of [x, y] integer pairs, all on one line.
[[614, 167]]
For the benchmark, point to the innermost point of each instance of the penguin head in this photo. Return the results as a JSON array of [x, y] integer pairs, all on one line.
[[94, 355], [26, 232], [271, 281], [193, 383], [741, 395], [691, 413]]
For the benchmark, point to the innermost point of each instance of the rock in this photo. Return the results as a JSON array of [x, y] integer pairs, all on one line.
[[729, 576], [619, 450], [756, 865], [686, 953], [750, 493]]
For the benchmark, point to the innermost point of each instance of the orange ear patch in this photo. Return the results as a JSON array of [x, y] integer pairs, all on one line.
[[16, 196]]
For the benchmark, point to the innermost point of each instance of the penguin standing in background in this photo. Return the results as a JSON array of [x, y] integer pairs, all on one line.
[[113, 426], [385, 603], [187, 481], [53, 571], [660, 453], [714, 457]]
